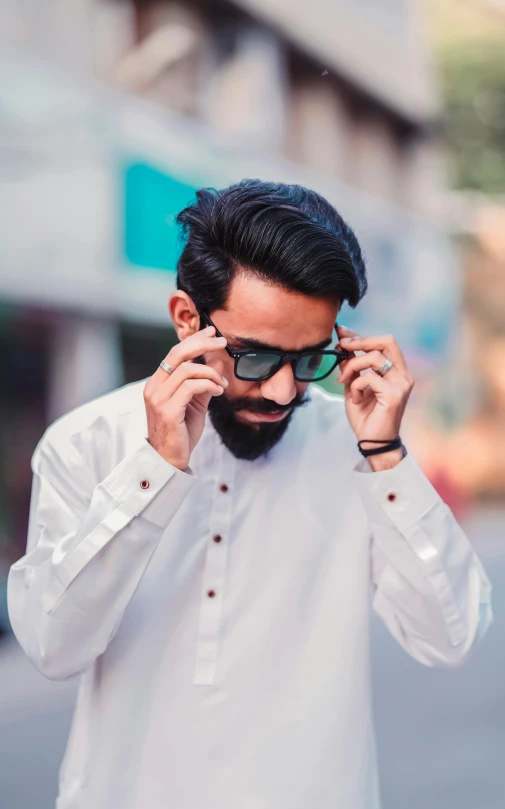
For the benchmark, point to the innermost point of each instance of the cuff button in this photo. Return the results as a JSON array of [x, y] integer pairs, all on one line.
[[391, 497], [144, 484]]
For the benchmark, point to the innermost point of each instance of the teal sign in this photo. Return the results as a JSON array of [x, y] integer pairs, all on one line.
[[152, 201]]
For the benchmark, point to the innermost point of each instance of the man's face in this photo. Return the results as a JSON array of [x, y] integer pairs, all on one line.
[[251, 417]]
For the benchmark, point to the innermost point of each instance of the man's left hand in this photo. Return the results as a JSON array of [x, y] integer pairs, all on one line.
[[375, 404]]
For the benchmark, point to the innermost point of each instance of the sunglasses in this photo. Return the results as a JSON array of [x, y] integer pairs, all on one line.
[[256, 365]]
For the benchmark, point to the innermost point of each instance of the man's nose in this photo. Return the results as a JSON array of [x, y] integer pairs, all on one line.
[[281, 387]]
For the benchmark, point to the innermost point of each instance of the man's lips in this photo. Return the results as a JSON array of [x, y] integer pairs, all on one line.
[[255, 417]]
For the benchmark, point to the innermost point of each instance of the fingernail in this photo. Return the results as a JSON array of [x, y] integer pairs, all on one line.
[[220, 339], [209, 329], [346, 340], [224, 380], [220, 389]]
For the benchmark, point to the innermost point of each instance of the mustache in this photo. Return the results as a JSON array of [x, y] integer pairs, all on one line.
[[265, 405]]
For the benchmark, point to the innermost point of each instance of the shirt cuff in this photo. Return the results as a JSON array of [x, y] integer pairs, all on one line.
[[140, 482], [401, 495]]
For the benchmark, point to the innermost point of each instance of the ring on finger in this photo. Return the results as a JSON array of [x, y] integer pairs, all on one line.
[[166, 367], [385, 367]]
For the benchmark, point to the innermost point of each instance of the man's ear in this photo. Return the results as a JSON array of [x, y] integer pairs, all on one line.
[[184, 314]]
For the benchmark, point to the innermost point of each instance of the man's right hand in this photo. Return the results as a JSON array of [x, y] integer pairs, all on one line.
[[176, 403]]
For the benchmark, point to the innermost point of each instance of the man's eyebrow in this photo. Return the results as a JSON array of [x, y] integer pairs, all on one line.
[[246, 342]]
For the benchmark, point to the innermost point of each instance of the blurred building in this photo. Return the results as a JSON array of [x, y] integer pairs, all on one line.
[[115, 111], [474, 458]]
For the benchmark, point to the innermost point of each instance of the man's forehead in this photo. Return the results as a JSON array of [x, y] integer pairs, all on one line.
[[250, 293], [276, 339], [259, 313]]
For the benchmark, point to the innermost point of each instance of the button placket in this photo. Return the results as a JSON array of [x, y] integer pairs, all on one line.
[[214, 575]]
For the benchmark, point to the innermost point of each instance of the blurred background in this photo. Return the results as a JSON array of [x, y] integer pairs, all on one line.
[[112, 113]]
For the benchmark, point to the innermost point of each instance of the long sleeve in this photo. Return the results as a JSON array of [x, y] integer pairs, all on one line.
[[430, 589], [89, 544]]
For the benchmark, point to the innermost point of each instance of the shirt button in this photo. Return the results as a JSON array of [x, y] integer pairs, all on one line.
[[224, 488], [217, 538], [391, 497], [144, 484], [211, 593]]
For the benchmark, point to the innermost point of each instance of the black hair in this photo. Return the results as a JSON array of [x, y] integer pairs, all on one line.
[[287, 234]]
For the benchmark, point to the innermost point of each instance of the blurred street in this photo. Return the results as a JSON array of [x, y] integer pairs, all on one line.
[[441, 734]]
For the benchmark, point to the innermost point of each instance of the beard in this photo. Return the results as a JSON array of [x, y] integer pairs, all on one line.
[[250, 441]]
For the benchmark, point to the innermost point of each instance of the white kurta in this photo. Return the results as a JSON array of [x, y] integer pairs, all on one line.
[[258, 696]]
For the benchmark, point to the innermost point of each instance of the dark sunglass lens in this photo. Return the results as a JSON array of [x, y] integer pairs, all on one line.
[[315, 365], [256, 365]]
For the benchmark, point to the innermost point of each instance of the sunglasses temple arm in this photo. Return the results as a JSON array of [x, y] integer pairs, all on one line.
[[206, 319]]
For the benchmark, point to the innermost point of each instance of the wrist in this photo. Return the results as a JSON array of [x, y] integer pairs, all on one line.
[[177, 461], [387, 460]]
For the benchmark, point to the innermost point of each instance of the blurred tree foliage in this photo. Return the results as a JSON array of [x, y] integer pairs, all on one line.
[[473, 77]]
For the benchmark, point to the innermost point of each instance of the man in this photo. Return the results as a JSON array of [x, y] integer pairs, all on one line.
[[209, 579]]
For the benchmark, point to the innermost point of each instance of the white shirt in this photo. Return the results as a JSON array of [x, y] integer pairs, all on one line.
[[257, 697]]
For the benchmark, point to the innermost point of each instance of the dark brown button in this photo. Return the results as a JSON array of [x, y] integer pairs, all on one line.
[[211, 593], [144, 484], [391, 497], [224, 488], [217, 538]]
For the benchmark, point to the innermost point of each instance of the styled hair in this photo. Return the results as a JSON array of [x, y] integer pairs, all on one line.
[[287, 234]]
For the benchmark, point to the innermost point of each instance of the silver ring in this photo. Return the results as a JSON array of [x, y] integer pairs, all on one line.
[[166, 367], [385, 367]]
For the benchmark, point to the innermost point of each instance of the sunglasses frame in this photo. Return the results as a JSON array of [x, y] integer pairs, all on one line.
[[290, 356]]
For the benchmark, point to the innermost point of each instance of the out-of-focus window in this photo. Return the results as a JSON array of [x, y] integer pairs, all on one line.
[[320, 128], [246, 93], [376, 157], [143, 348], [165, 62], [24, 355]]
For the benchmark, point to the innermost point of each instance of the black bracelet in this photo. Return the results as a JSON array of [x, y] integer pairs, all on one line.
[[395, 443]]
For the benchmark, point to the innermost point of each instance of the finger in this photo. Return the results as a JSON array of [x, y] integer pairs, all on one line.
[[190, 348], [370, 380], [385, 343], [372, 359], [195, 346], [187, 370], [386, 393], [343, 331], [214, 361], [191, 388], [342, 366]]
